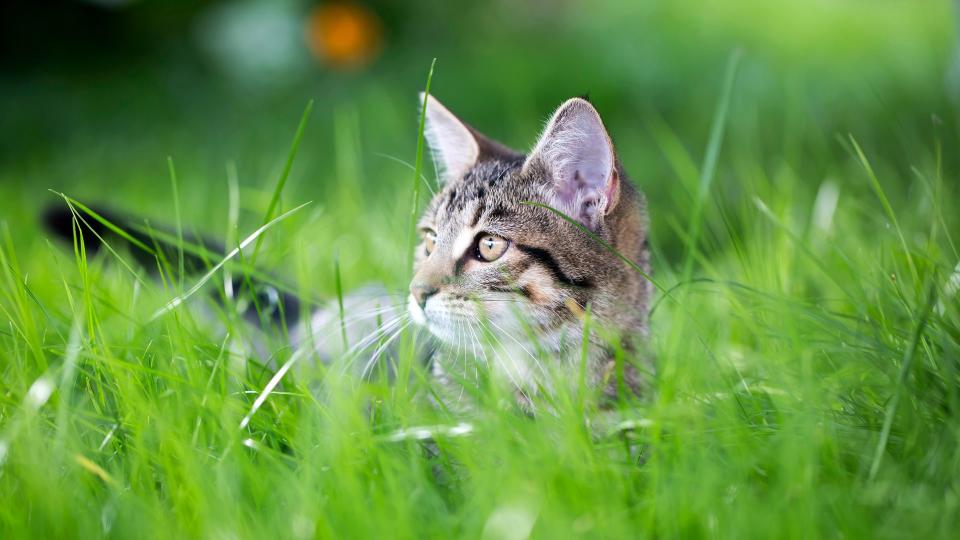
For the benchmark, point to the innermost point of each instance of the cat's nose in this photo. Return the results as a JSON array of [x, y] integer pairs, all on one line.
[[422, 292]]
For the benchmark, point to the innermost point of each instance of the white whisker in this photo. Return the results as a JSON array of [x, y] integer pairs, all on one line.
[[373, 359], [499, 353], [536, 360], [476, 341], [382, 330]]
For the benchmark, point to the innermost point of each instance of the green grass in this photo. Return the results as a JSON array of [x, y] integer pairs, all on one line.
[[807, 353]]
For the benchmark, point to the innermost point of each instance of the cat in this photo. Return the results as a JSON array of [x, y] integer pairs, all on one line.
[[491, 249], [514, 248]]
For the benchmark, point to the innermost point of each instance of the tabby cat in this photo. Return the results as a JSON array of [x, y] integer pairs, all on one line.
[[500, 275], [492, 252]]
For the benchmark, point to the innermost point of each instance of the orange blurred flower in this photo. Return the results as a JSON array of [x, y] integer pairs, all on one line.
[[343, 34]]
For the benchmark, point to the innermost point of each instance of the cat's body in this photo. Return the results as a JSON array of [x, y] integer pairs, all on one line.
[[501, 277]]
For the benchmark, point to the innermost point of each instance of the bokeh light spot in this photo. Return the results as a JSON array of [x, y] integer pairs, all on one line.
[[343, 34]]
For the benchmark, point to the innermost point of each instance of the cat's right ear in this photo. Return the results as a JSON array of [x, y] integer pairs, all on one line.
[[453, 145], [577, 154]]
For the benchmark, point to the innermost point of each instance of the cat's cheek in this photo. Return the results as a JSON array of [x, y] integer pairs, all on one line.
[[538, 286]]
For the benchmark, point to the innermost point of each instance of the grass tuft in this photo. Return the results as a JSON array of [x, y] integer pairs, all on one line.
[[813, 388]]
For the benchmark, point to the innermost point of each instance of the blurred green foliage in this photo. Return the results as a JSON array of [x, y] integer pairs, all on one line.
[[91, 113], [812, 277]]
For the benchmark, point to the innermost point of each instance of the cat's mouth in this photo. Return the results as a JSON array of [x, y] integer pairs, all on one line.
[[448, 323], [488, 337], [444, 324], [416, 312], [457, 321]]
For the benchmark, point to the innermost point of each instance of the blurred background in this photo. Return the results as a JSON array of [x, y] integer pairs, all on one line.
[[95, 94]]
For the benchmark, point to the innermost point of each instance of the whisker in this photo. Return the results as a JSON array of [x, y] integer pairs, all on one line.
[[461, 323], [476, 340], [384, 330], [374, 294], [368, 314], [409, 166], [498, 354], [520, 344], [318, 333], [373, 359], [536, 360], [351, 354]]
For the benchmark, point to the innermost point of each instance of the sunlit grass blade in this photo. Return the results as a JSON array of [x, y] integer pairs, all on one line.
[[908, 355], [417, 167], [339, 288], [298, 355], [172, 304], [709, 167], [106, 223], [178, 221], [78, 219], [282, 181], [891, 215]]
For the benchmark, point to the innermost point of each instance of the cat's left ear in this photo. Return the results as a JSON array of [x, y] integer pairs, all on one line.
[[577, 154], [452, 146], [455, 146]]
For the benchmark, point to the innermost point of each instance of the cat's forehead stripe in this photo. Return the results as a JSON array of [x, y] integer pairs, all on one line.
[[477, 213], [477, 184], [463, 241]]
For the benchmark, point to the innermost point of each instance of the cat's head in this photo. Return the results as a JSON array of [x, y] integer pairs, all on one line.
[[490, 260]]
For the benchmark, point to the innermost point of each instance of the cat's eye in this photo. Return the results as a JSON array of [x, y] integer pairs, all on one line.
[[429, 241], [491, 247]]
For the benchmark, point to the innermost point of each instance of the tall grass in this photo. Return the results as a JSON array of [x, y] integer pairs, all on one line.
[[808, 382]]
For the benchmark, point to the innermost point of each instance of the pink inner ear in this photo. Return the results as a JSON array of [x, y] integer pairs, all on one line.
[[612, 192], [452, 146], [583, 177], [577, 152]]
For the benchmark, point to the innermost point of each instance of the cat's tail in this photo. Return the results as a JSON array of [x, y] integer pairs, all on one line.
[[150, 246], [160, 247], [375, 319]]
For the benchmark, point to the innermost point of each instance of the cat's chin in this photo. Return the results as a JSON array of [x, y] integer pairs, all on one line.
[[441, 328], [416, 312]]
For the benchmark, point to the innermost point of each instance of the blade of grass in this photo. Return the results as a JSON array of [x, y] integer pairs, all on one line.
[[282, 181], [176, 216], [80, 219], [339, 286], [709, 167], [103, 221], [233, 218], [798, 242], [878, 189], [600, 241], [172, 304], [908, 355], [274, 381], [417, 167]]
